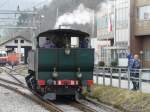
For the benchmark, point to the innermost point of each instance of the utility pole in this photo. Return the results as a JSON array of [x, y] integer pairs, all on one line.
[[115, 27], [93, 23], [57, 13], [40, 20], [33, 34]]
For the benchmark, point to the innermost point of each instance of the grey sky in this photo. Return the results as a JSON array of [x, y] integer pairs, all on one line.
[[12, 5], [24, 4]]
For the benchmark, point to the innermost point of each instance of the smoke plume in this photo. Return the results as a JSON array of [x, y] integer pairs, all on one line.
[[105, 8], [81, 16]]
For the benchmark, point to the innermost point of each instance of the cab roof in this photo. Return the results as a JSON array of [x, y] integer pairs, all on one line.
[[66, 32]]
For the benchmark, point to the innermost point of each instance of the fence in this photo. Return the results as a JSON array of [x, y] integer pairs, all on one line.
[[106, 75]]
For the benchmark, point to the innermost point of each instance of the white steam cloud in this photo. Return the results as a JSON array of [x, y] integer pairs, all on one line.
[[81, 15], [105, 8]]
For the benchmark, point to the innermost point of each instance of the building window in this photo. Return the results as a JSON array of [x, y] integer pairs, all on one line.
[[103, 52], [21, 41], [146, 54], [144, 13], [16, 41]]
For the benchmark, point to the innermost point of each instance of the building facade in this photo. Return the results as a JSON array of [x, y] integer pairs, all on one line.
[[19, 45], [140, 33], [118, 39], [131, 29]]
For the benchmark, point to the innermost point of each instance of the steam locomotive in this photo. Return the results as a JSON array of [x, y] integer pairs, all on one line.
[[63, 69]]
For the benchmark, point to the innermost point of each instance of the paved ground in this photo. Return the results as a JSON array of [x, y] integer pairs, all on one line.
[[13, 102], [124, 84]]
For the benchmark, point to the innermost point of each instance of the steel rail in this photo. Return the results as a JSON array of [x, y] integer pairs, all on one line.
[[82, 106], [46, 104], [14, 83], [14, 70], [102, 105], [20, 82]]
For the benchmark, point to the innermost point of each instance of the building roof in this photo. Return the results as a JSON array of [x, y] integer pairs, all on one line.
[[14, 39], [68, 32]]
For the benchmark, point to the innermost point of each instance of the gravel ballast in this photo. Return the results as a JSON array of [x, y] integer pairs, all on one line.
[[13, 102]]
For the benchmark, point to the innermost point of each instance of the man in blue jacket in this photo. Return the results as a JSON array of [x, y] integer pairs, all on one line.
[[134, 67], [130, 57]]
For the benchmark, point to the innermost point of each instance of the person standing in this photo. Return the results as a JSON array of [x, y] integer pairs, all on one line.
[[13, 59], [134, 67], [130, 57]]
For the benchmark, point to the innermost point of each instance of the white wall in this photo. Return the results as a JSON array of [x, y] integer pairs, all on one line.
[[12, 43], [122, 21], [122, 35]]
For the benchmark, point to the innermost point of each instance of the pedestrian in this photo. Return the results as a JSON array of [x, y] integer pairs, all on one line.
[[13, 59], [130, 57], [134, 67]]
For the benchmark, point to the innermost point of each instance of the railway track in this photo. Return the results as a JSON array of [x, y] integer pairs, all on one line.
[[24, 91], [101, 105], [75, 106], [17, 69], [10, 72], [82, 107], [53, 107]]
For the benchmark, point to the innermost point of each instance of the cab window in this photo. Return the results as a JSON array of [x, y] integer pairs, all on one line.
[[74, 42], [42, 41]]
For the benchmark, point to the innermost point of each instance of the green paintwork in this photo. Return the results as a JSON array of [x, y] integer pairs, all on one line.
[[65, 75], [66, 65]]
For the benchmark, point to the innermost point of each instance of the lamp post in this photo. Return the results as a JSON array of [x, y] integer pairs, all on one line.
[[141, 56], [40, 19]]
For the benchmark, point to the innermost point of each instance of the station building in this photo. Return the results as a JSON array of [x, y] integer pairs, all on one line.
[[20, 45]]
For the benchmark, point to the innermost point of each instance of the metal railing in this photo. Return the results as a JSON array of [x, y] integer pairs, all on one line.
[[110, 75]]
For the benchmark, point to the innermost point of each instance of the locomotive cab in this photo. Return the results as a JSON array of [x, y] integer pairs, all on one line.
[[62, 63]]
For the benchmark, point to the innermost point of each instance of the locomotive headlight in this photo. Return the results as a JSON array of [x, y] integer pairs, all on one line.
[[55, 74], [79, 75], [67, 50]]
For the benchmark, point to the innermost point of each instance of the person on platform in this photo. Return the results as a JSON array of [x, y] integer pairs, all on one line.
[[134, 67]]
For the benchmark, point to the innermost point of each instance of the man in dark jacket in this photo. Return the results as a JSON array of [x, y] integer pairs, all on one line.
[[134, 67]]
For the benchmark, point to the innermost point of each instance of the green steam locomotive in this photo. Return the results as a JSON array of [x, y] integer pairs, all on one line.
[[62, 63]]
